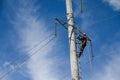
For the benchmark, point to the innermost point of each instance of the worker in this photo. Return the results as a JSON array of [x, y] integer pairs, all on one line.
[[83, 39]]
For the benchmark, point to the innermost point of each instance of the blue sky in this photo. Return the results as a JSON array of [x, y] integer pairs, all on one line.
[[25, 23]]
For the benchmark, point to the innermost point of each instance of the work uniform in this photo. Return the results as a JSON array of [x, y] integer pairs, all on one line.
[[83, 39]]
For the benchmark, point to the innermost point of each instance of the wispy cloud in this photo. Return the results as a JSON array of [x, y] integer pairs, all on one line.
[[32, 30], [86, 18], [114, 3], [6, 68], [110, 71]]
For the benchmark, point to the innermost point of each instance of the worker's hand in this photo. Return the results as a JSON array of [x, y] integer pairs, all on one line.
[[89, 39]]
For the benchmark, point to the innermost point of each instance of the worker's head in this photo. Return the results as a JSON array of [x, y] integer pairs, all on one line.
[[84, 34]]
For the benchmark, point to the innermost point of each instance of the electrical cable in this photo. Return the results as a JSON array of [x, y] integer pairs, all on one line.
[[97, 22], [92, 54], [81, 6], [96, 6], [25, 60], [49, 42], [30, 50], [105, 19], [90, 60], [101, 55]]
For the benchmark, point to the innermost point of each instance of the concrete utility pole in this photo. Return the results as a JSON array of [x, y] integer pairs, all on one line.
[[72, 42]]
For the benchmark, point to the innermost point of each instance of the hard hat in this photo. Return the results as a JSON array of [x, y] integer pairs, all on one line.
[[84, 34]]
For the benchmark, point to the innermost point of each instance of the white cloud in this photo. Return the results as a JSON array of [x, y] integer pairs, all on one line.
[[110, 70], [6, 64], [32, 30], [114, 3], [85, 18], [86, 21], [2, 72], [6, 68]]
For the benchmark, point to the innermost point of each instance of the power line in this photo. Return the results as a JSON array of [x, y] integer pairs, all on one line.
[[25, 59], [90, 58], [99, 56], [96, 6], [82, 3], [30, 50], [97, 22], [37, 45], [105, 19]]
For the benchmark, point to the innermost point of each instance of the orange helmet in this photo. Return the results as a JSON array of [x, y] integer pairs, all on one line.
[[84, 34]]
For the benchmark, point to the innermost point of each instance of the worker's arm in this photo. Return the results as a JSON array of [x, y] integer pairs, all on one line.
[[88, 39]]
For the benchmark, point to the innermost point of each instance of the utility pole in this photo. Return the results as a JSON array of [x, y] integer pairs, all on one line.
[[72, 41]]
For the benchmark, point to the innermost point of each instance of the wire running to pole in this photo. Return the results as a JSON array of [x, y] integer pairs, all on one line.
[[91, 49], [105, 19], [30, 50], [90, 59], [95, 6], [97, 22], [25, 59], [81, 6]]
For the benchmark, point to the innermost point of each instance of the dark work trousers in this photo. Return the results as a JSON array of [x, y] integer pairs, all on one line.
[[82, 48]]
